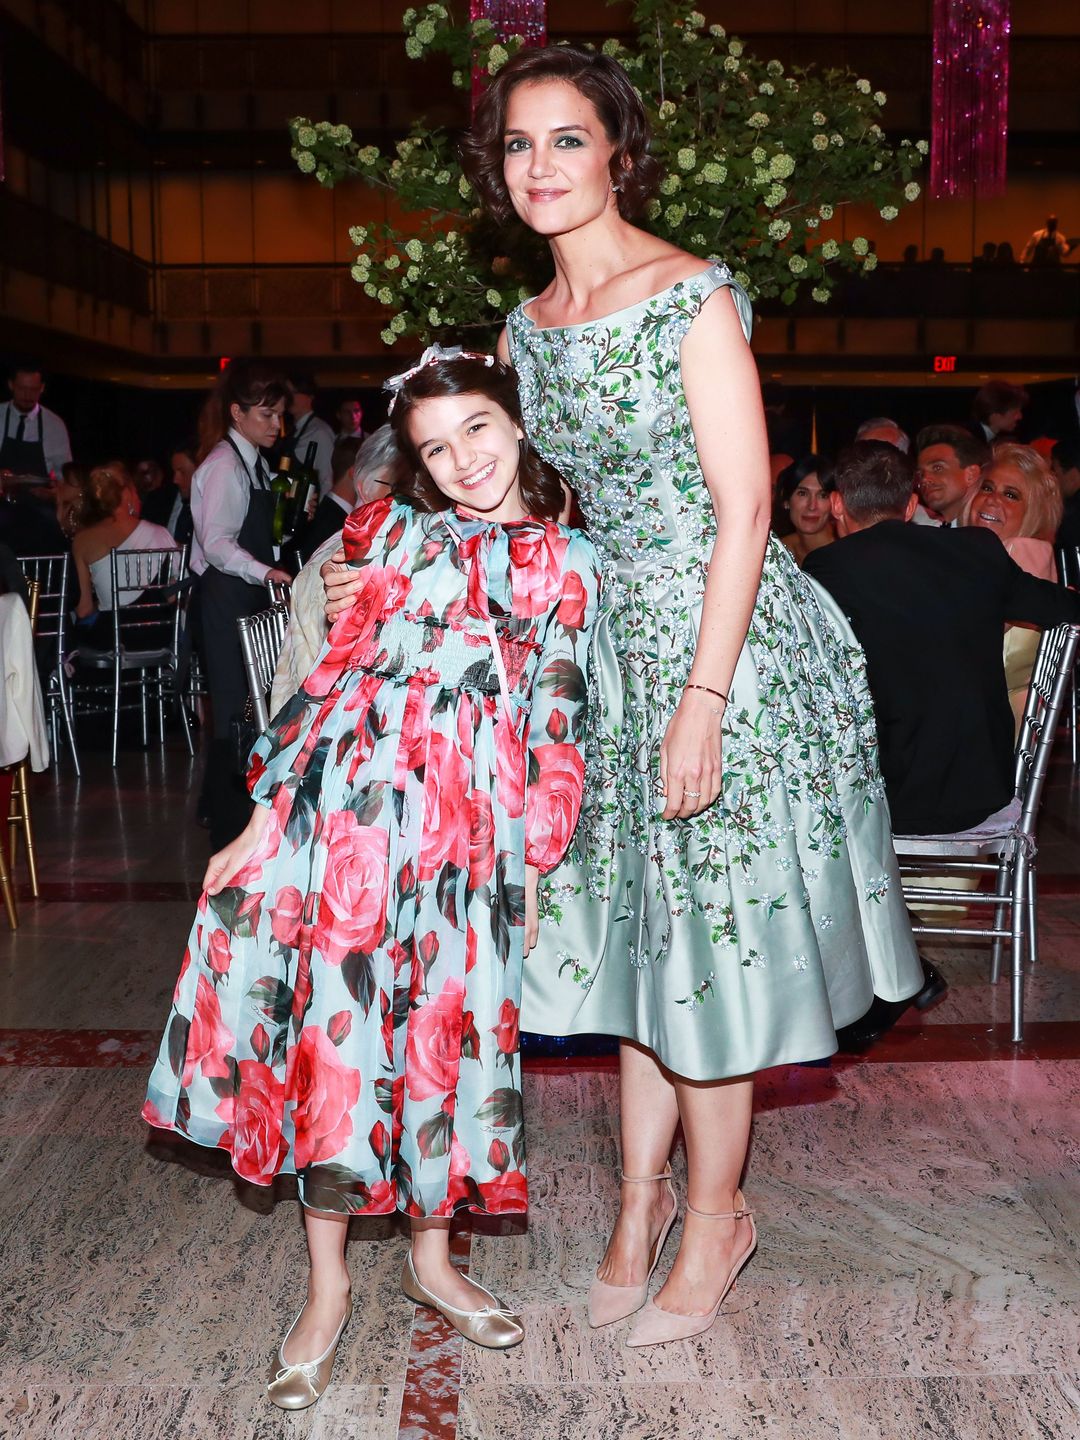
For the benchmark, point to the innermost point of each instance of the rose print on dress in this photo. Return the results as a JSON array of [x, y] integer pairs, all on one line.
[[348, 1010]]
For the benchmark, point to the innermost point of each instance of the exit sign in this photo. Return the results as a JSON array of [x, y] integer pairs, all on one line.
[[944, 364]]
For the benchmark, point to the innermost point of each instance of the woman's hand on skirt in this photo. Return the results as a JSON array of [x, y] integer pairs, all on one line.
[[237, 853], [690, 758], [340, 583], [532, 914]]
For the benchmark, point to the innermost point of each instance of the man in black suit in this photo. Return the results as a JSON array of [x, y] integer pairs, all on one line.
[[929, 607]]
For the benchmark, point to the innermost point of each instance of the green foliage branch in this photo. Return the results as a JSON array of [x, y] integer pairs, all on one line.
[[756, 158]]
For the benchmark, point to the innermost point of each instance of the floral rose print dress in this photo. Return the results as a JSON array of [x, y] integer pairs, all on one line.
[[740, 938], [347, 1008]]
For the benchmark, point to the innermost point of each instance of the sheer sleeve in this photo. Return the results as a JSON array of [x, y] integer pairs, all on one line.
[[556, 739]]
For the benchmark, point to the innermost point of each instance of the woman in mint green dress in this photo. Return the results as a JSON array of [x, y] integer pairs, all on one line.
[[731, 896]]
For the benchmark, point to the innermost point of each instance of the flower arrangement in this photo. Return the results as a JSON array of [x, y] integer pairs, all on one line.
[[757, 158]]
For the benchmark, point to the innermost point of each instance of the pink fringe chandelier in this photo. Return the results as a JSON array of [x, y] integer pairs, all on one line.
[[970, 98], [527, 18]]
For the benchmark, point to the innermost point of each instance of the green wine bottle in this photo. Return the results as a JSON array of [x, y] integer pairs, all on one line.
[[281, 485]]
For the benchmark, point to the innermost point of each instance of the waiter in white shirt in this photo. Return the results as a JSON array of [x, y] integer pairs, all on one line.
[[232, 506], [309, 429], [33, 440]]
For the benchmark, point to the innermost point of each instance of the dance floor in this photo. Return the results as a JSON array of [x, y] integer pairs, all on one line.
[[918, 1272]]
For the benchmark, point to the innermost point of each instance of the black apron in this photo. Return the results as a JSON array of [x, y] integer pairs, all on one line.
[[224, 599], [221, 600], [23, 457]]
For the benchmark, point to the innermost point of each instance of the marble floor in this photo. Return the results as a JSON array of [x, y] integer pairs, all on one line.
[[918, 1273]]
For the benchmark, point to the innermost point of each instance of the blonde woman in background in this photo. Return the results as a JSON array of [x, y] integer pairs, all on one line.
[[1019, 499]]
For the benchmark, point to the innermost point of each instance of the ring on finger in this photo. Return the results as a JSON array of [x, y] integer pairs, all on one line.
[[693, 794]]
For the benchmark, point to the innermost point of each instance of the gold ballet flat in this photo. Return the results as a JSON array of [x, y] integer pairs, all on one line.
[[296, 1386], [493, 1327]]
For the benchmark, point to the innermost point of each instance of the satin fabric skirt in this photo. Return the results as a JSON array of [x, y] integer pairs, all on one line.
[[744, 937]]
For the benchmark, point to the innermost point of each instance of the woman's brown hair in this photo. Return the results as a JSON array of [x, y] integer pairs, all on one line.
[[605, 84], [246, 383], [541, 488]]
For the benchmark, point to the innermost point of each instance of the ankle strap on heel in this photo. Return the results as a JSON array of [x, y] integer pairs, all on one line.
[[712, 1215], [643, 1179]]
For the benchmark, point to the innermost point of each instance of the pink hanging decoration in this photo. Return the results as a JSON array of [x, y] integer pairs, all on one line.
[[527, 18], [971, 97]]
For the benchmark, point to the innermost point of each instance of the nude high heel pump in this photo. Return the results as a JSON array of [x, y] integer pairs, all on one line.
[[659, 1327], [608, 1303]]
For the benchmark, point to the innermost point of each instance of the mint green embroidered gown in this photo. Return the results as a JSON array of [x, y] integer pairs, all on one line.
[[741, 938]]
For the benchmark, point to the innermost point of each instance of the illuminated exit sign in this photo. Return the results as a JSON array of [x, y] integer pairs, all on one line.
[[944, 364]]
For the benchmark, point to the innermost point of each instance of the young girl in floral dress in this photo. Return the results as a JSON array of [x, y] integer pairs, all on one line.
[[347, 1009]]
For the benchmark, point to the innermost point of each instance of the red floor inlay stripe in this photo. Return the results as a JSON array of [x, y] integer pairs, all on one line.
[[429, 1403], [905, 1044]]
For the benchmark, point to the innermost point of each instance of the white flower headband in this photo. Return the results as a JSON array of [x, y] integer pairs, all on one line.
[[433, 355]]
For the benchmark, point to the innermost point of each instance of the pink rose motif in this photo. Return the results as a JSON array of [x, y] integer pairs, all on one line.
[[506, 1195], [256, 1142], [481, 839], [554, 804], [209, 1038], [352, 905], [362, 526], [506, 1032], [571, 611], [286, 915], [536, 573], [433, 1044], [218, 954], [323, 1091], [183, 971], [509, 767], [446, 809]]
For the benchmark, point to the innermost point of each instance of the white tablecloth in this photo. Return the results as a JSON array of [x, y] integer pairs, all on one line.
[[22, 714]]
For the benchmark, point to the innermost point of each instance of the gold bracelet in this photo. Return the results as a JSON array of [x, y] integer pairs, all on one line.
[[716, 710]]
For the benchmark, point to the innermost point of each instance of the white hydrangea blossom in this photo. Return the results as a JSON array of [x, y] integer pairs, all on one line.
[[675, 214], [826, 212], [766, 89], [397, 324], [797, 264], [820, 293], [735, 47], [306, 162], [730, 63], [387, 336], [493, 298], [670, 184], [386, 296], [414, 50], [819, 118], [686, 158], [758, 120], [775, 195], [779, 229], [781, 166], [889, 212], [863, 87], [820, 142], [713, 174], [414, 249], [425, 32], [836, 139], [666, 110], [923, 147], [860, 245], [870, 263], [830, 250], [393, 262], [912, 191], [497, 58], [880, 97], [758, 155]]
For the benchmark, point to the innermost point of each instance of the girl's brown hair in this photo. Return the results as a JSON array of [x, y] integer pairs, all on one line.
[[541, 488], [605, 84]]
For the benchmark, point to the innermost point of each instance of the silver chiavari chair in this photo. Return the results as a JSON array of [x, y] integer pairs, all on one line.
[[1010, 855], [1068, 558], [261, 639], [51, 574]]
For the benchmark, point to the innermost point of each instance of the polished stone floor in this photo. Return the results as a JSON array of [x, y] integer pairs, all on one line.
[[919, 1266]]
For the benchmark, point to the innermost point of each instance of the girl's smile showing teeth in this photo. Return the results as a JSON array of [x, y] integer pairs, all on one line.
[[479, 477]]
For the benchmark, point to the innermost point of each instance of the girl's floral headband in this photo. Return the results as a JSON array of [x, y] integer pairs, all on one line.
[[433, 355]]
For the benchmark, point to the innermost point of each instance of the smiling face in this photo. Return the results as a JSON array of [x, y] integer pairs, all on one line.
[[557, 158], [809, 507], [1001, 500], [470, 448], [944, 484], [261, 425]]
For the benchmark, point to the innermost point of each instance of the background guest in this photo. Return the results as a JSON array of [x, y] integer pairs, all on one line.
[[110, 521], [998, 408], [1046, 246], [886, 430], [309, 428], [350, 418], [33, 440], [804, 495], [307, 618], [949, 465], [157, 494], [180, 524], [359, 467], [1065, 464], [1019, 500], [70, 498]]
